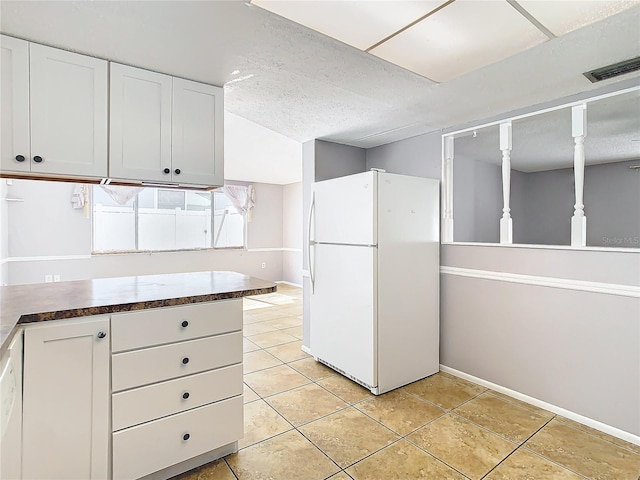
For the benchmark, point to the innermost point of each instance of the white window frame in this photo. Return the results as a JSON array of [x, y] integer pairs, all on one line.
[[214, 234], [447, 183]]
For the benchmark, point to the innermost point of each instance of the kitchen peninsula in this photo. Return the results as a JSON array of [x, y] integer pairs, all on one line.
[[127, 377]]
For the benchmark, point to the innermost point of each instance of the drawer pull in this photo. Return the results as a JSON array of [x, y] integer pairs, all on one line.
[[186, 437], [185, 360], [101, 335], [185, 395], [184, 324]]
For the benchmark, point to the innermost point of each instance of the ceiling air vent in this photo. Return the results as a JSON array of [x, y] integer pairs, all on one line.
[[614, 70]]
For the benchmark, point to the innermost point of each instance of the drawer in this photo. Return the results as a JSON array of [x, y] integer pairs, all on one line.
[[162, 399], [156, 364], [147, 448], [157, 326]]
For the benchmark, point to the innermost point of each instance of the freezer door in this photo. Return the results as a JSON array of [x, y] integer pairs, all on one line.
[[343, 310], [344, 210]]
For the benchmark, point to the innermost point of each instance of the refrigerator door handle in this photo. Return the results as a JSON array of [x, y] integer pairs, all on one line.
[[311, 242]]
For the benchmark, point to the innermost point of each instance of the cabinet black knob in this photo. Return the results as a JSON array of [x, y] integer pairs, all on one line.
[[177, 171], [37, 159], [166, 170], [102, 334], [184, 324], [19, 158], [185, 360], [186, 437], [185, 395]]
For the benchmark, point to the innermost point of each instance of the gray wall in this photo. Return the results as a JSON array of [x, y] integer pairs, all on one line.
[[518, 203], [266, 227], [419, 156], [577, 350], [612, 204], [548, 208], [292, 233], [333, 160], [46, 225], [477, 201], [611, 199], [323, 160]]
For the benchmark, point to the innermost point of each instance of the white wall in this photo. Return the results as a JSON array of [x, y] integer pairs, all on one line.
[[292, 225], [45, 225]]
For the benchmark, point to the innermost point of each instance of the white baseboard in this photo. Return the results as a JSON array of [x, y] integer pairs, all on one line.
[[289, 283], [306, 350], [589, 422]]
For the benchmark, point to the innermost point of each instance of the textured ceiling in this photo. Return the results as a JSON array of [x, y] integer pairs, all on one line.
[[304, 85]]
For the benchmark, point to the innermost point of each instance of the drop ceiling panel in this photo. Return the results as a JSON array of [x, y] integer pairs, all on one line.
[[564, 17], [360, 24], [462, 37]]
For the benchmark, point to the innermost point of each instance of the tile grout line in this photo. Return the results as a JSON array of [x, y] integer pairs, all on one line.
[[229, 467], [454, 411], [518, 447], [434, 456], [564, 467], [349, 404], [354, 405], [557, 418]]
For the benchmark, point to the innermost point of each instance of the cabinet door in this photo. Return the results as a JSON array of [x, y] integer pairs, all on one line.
[[14, 105], [197, 132], [68, 113], [66, 400], [140, 125]]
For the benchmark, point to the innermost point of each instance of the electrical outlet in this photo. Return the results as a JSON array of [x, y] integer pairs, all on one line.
[[56, 278], [264, 264], [48, 278]]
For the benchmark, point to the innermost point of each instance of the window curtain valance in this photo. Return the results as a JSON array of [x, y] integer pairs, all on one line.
[[242, 197], [121, 195]]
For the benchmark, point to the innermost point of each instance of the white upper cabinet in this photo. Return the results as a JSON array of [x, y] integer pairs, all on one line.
[[197, 133], [68, 112], [59, 114], [14, 105], [54, 111], [164, 129], [140, 125]]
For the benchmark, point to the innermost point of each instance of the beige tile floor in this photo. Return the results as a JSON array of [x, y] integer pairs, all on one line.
[[305, 422]]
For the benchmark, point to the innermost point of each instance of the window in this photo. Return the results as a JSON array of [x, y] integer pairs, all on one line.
[[144, 219], [540, 179]]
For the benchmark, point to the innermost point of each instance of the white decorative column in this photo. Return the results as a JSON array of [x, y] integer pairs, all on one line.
[[579, 132], [447, 189], [506, 223]]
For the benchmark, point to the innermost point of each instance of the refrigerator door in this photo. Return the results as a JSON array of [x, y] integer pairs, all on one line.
[[343, 310], [345, 210]]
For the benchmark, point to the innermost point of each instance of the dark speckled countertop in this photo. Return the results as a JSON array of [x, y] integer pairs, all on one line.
[[20, 304]]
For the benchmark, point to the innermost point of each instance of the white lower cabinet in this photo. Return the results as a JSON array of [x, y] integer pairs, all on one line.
[[150, 365], [170, 391], [177, 386], [66, 400], [174, 396], [147, 448]]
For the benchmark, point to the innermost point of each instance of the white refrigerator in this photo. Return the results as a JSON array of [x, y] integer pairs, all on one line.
[[374, 268]]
